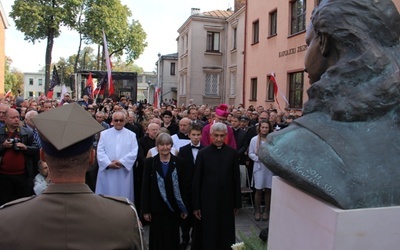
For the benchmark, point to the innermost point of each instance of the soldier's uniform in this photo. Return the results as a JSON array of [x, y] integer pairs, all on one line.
[[69, 215]]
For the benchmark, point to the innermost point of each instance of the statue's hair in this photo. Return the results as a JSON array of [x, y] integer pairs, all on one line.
[[364, 84]]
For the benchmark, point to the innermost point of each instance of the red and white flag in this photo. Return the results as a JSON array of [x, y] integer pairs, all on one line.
[[64, 90], [108, 64], [156, 101], [8, 94], [276, 90]]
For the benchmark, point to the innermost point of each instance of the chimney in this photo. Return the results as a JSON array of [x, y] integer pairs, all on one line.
[[239, 4], [195, 11]]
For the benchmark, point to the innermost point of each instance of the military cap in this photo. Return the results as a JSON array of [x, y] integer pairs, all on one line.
[[66, 131]]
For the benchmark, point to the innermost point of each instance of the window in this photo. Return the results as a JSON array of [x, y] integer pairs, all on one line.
[[298, 15], [172, 69], [186, 42], [253, 90], [211, 84], [256, 29], [270, 89], [232, 87], [30, 92], [30, 81], [234, 38], [182, 83], [273, 17], [296, 89], [40, 82], [58, 94], [212, 41]]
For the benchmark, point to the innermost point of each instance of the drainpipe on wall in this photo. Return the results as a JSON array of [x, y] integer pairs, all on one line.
[[224, 65], [245, 55]]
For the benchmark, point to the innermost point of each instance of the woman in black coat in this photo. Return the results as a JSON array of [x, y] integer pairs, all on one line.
[[163, 195]]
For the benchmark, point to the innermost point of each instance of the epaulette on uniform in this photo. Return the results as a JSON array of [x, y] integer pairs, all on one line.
[[21, 200], [119, 199], [122, 200]]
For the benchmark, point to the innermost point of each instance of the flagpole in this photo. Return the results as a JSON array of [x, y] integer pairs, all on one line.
[[108, 64]]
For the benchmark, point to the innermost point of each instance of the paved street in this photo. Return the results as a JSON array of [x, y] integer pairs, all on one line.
[[245, 224]]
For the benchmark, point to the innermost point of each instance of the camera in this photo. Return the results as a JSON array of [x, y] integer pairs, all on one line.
[[14, 142]]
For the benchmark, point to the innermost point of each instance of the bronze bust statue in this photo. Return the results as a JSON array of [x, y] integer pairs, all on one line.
[[346, 147]]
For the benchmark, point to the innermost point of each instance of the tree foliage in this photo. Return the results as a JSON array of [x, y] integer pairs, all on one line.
[[87, 61], [123, 36], [43, 19], [13, 79]]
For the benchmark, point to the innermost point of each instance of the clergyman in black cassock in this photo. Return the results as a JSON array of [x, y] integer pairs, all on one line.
[[216, 193]]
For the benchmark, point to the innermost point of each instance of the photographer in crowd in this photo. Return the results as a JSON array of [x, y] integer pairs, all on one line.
[[17, 150]]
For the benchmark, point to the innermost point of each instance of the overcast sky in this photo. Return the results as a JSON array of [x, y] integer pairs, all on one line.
[[160, 20]]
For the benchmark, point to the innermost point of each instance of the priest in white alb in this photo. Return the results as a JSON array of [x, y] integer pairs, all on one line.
[[116, 154]]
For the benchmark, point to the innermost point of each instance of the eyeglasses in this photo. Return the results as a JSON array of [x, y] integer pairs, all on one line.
[[118, 120], [166, 116]]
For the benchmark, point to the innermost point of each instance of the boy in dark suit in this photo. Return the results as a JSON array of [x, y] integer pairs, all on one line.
[[189, 154]]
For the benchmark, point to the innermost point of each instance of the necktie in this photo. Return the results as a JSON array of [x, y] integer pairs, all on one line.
[[193, 146], [37, 138]]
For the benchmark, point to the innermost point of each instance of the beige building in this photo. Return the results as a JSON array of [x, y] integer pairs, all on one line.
[[3, 26], [202, 49], [167, 76], [235, 56], [146, 83]]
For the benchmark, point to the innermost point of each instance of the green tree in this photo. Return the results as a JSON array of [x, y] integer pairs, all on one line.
[[123, 36], [122, 66], [40, 20], [13, 79]]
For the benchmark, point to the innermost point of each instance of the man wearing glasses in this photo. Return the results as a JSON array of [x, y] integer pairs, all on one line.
[[116, 154]]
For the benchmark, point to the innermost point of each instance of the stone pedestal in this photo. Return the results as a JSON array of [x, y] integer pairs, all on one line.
[[299, 221]]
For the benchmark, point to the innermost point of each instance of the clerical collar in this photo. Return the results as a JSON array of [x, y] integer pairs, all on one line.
[[219, 147]]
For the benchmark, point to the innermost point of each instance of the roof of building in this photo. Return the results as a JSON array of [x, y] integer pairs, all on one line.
[[170, 56], [218, 13], [213, 14]]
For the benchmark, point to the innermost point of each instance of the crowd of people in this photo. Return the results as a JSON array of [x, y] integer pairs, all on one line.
[[179, 165]]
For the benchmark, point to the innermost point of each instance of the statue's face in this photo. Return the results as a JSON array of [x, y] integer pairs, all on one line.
[[315, 62]]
